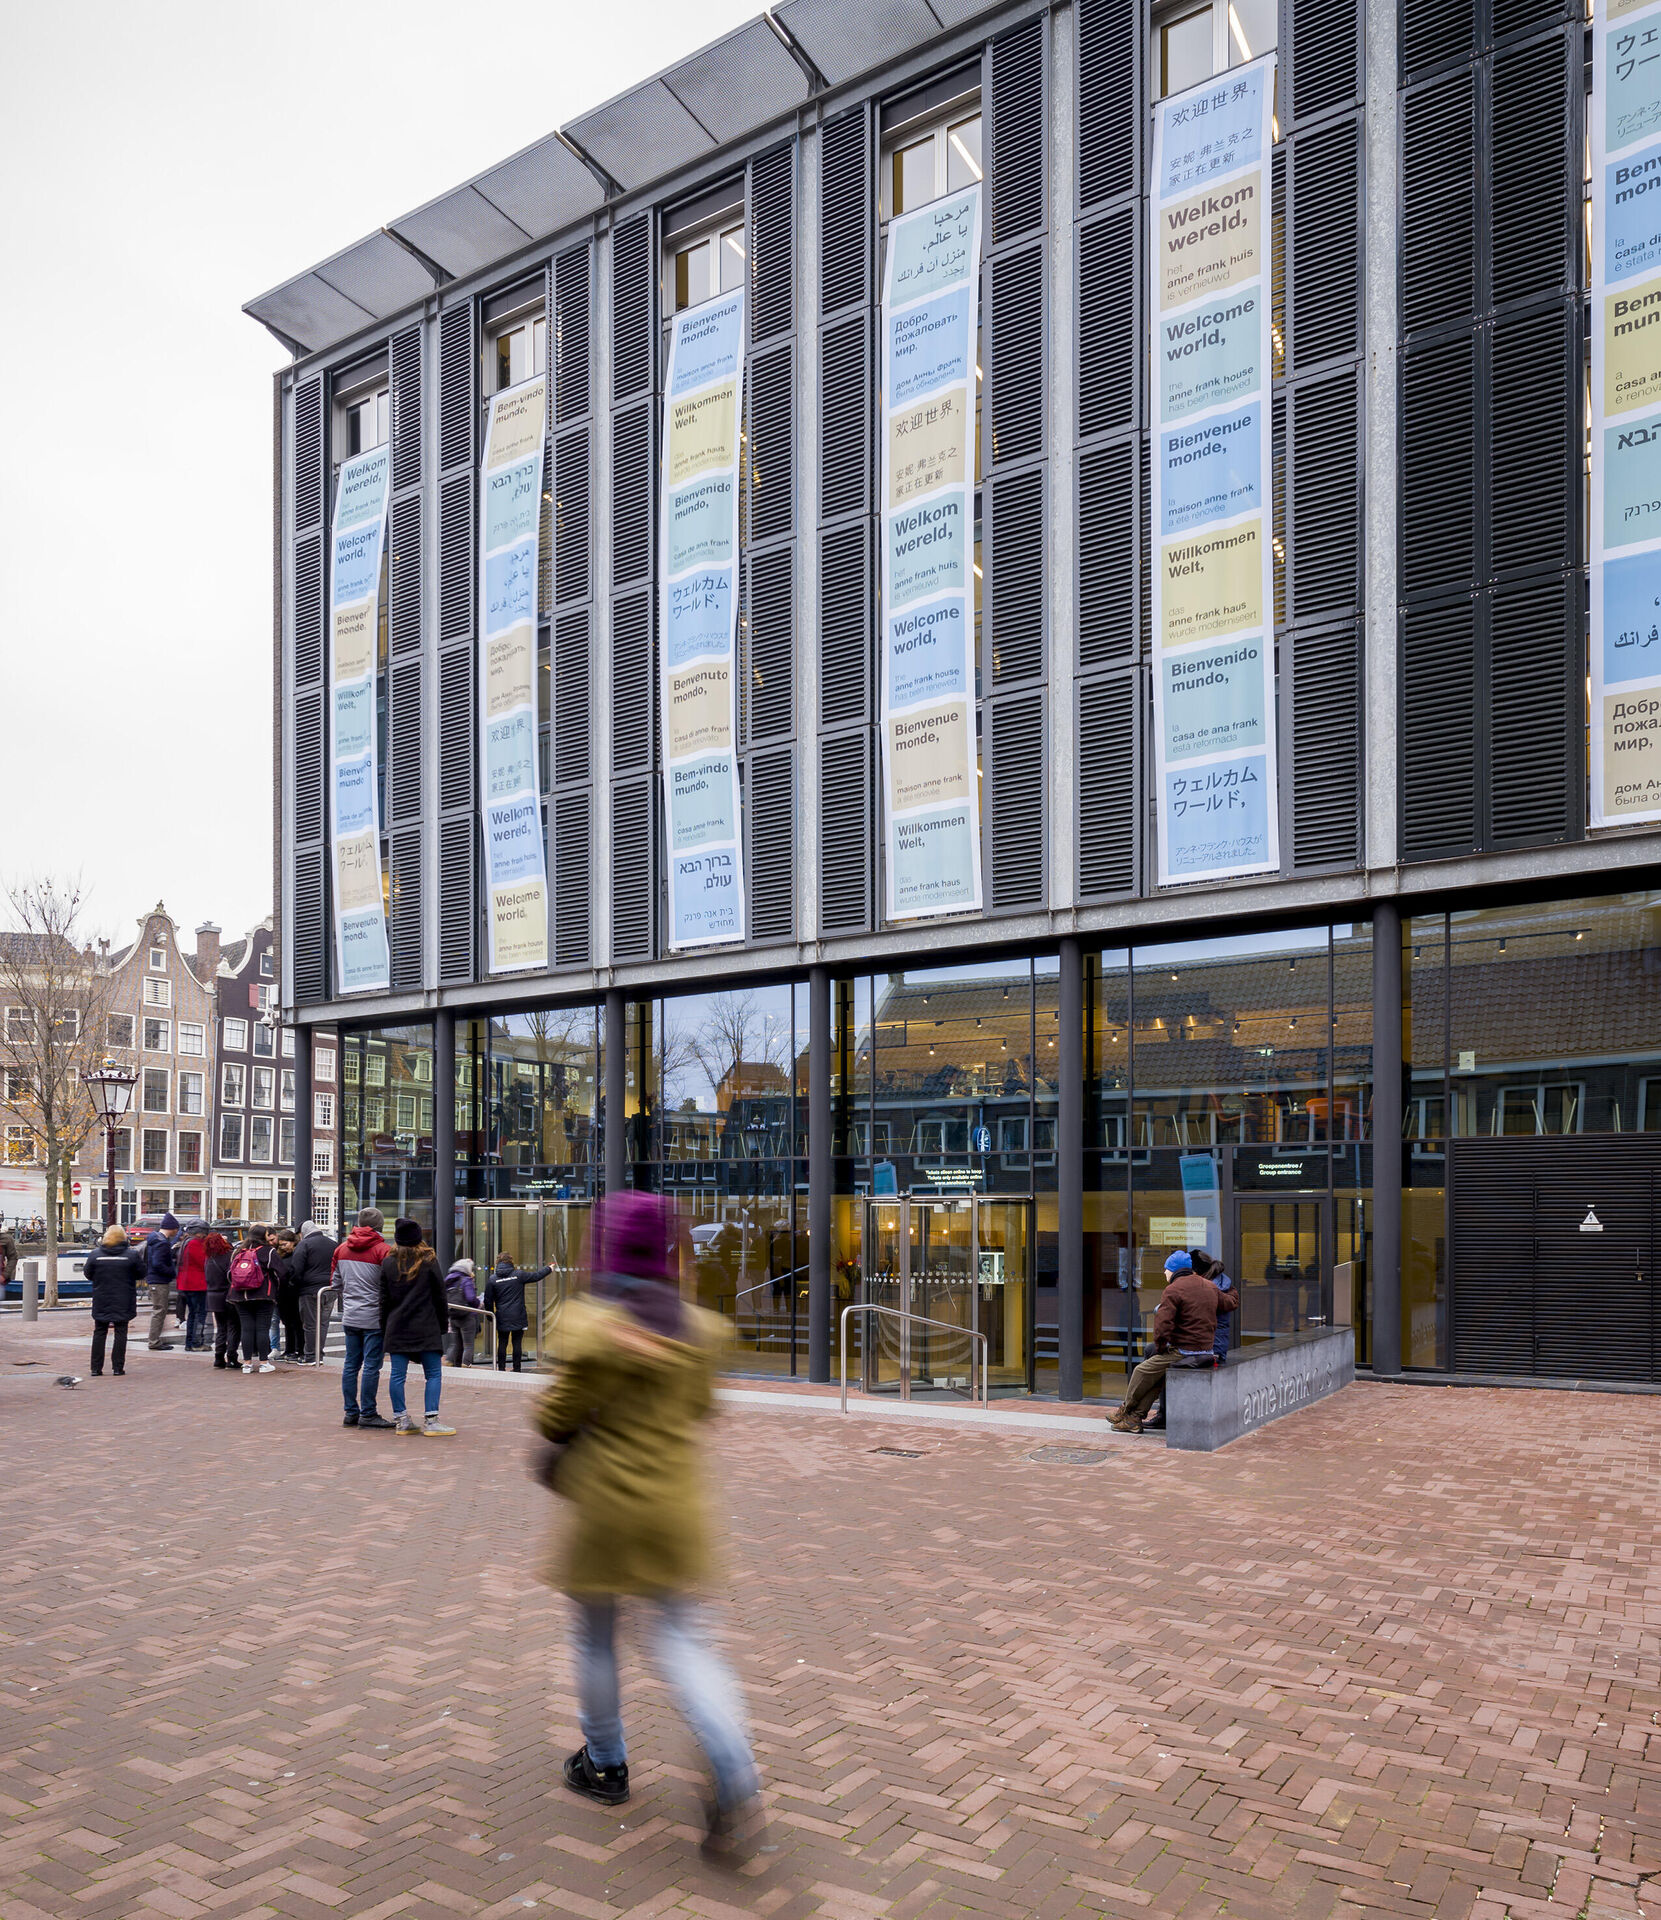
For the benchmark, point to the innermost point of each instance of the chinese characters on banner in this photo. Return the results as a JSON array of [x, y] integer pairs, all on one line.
[[698, 623], [1213, 575], [1626, 412], [930, 312], [361, 961], [510, 505]]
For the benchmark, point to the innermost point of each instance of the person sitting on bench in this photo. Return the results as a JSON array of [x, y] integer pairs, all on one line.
[[1184, 1330]]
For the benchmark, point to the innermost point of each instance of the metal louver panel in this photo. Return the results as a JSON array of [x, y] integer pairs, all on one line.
[[456, 565], [1535, 174], [1438, 722], [571, 696], [770, 817], [1015, 778], [769, 678], [1326, 746], [845, 833], [1523, 16], [406, 909], [1492, 1228], [846, 230], [308, 455], [1535, 712], [633, 744], [1015, 573], [1110, 99], [846, 597], [404, 359], [404, 741], [845, 426], [1438, 205], [1438, 461], [1017, 131], [772, 409], [1016, 349], [632, 346], [569, 334], [1534, 468], [1324, 241], [1109, 577], [773, 243], [404, 576], [1110, 784], [308, 767], [458, 381], [455, 728], [1324, 539], [1110, 326], [1323, 59], [457, 852], [632, 869], [308, 610], [631, 494], [306, 942], [1434, 32], [571, 529], [573, 894]]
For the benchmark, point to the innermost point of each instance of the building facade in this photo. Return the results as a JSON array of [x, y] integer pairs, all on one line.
[[1411, 1077]]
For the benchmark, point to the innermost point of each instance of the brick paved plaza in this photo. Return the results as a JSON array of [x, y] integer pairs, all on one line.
[[1397, 1654]]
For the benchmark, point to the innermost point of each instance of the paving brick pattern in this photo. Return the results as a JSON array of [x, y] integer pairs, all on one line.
[[1396, 1655]]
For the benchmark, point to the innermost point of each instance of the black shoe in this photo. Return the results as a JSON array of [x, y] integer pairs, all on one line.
[[161, 1346], [219, 1360], [608, 1785], [373, 1420], [96, 1372], [351, 1420], [119, 1372]]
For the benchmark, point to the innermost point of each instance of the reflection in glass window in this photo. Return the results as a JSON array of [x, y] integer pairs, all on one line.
[[368, 421], [521, 352], [712, 265], [527, 1097], [922, 167]]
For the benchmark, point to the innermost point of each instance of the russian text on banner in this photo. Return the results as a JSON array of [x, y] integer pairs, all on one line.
[[510, 506], [355, 539], [698, 623], [1213, 578], [931, 788], [1625, 654]]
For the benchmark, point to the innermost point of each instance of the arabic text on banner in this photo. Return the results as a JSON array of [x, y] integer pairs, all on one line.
[[698, 623], [931, 789], [510, 506], [1213, 576], [1626, 413], [355, 539]]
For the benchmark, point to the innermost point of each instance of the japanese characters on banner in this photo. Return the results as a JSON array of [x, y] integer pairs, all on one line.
[[1626, 413], [1213, 574], [510, 505], [361, 960], [931, 797], [698, 623]]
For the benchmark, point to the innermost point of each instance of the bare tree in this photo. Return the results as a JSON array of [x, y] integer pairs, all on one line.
[[54, 996]]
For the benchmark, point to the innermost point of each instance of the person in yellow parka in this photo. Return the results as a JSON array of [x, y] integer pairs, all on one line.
[[634, 1385]]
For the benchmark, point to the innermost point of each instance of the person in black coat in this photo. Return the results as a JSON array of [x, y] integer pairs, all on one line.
[[414, 1314], [115, 1271], [310, 1273], [504, 1296]]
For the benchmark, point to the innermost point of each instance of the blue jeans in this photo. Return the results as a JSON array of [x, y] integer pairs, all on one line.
[[196, 1319], [363, 1353], [432, 1365], [704, 1689]]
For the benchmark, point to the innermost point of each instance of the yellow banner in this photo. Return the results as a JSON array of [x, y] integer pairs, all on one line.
[[1632, 346], [1210, 241], [927, 766], [703, 432], [699, 706], [1213, 584], [928, 446]]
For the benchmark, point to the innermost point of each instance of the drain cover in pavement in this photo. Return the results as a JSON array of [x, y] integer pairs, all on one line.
[[901, 1453], [1070, 1456]]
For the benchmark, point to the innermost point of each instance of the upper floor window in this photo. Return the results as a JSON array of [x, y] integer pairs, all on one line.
[[158, 960], [1192, 43], [323, 1063], [158, 1036], [120, 1029], [236, 1035], [515, 337], [265, 1040], [288, 1043], [931, 143], [708, 266], [265, 963], [367, 422], [192, 1039], [158, 993]]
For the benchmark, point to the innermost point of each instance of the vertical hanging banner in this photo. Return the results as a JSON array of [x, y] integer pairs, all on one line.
[[1625, 653], [1214, 569], [510, 506], [698, 623], [931, 792], [355, 541]]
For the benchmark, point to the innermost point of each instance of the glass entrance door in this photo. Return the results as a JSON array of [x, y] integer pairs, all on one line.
[[1283, 1263], [532, 1234], [1003, 1260]]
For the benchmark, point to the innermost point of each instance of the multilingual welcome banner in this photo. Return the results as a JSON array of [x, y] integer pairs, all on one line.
[[1625, 654], [355, 541], [510, 506], [698, 623], [931, 795], [1213, 578]]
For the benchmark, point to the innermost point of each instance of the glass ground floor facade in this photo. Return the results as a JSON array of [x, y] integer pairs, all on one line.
[[991, 1159]]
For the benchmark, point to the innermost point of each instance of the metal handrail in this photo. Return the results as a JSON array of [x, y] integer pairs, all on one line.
[[921, 1320], [484, 1313]]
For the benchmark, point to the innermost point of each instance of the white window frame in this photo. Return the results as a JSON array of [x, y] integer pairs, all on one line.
[[233, 1084], [323, 1159], [21, 1147], [262, 1041], [158, 993], [190, 1133], [288, 1043], [163, 1027], [235, 1035], [69, 1022], [193, 1038], [159, 1077], [285, 1089], [147, 1134], [1229, 45], [187, 1092], [123, 1150], [112, 1027], [521, 327], [286, 1142], [255, 1122], [263, 1089], [935, 124], [323, 1112], [230, 1136], [323, 1064], [158, 959], [17, 1026]]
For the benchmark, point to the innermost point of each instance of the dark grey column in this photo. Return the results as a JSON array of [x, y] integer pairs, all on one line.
[[444, 1137], [1386, 1136], [614, 1140], [302, 1128], [821, 1168], [1069, 1175]]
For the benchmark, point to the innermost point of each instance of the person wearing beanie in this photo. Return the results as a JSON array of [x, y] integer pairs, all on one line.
[[161, 1269], [1184, 1330], [635, 1385], [463, 1296], [504, 1296], [413, 1316]]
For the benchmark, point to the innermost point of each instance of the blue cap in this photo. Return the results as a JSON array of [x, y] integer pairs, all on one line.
[[1179, 1263]]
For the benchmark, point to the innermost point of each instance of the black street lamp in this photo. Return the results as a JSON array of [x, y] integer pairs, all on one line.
[[111, 1088]]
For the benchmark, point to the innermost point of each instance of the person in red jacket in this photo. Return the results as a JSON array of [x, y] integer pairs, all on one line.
[[357, 1272], [193, 1285]]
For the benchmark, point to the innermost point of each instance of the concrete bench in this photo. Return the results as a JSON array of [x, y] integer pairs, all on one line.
[[1206, 1409]]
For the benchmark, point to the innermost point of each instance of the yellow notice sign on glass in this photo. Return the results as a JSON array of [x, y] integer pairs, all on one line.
[[1177, 1230]]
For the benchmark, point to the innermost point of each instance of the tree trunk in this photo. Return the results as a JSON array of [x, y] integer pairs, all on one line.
[[52, 1225]]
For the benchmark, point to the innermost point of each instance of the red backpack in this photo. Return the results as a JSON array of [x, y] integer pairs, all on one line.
[[247, 1275]]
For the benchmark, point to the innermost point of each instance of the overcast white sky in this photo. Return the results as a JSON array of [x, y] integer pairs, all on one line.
[[163, 164]]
